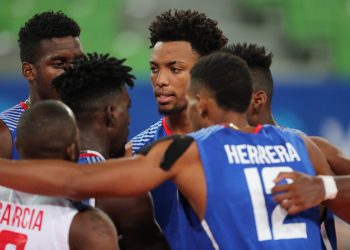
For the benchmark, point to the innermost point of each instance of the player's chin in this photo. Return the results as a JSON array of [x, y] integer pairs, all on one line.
[[119, 153], [167, 109]]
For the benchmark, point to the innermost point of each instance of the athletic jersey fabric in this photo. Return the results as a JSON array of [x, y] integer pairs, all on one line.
[[169, 212], [34, 222], [165, 196], [11, 117], [239, 170], [328, 216], [89, 157]]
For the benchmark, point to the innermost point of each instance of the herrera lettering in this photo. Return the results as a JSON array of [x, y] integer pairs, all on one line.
[[256, 154]]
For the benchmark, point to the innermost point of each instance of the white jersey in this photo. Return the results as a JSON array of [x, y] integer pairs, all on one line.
[[33, 222]]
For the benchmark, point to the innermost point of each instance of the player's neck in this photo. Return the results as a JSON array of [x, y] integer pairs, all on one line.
[[33, 97], [268, 119], [237, 123], [178, 123], [95, 142]]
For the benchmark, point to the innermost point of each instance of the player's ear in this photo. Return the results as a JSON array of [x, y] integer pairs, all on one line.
[[72, 152], [259, 100], [110, 116], [28, 71], [202, 105]]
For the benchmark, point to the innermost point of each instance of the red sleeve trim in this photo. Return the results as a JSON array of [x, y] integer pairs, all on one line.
[[166, 128], [23, 105], [257, 128]]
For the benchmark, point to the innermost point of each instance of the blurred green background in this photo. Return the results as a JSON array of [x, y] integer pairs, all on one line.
[[309, 38]]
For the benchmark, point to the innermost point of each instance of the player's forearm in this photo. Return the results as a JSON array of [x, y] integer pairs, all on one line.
[[343, 186], [340, 204], [119, 178], [37, 176]]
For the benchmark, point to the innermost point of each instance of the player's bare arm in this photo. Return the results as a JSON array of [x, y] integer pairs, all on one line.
[[339, 162], [109, 179], [6, 141], [308, 191]]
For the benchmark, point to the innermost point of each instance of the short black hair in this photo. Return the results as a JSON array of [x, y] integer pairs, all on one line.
[[190, 26], [227, 77], [258, 61], [92, 78], [46, 130], [45, 25]]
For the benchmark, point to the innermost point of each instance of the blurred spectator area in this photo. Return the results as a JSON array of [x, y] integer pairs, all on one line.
[[307, 37]]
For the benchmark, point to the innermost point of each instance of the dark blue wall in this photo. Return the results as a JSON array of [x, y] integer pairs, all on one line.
[[315, 109]]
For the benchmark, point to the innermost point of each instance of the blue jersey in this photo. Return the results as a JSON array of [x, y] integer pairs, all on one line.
[[169, 213], [239, 170], [11, 117], [328, 217], [89, 157]]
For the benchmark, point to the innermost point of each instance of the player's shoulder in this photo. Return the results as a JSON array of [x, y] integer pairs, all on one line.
[[11, 116], [291, 130], [16, 109], [206, 132], [147, 136], [92, 229], [149, 132]]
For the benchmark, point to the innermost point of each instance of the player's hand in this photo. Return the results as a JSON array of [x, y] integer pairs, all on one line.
[[128, 149], [303, 193]]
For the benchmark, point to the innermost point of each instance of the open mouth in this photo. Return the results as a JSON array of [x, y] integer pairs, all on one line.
[[163, 99]]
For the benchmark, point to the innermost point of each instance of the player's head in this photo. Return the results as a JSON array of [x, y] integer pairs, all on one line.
[[48, 130], [259, 62], [95, 89], [220, 83], [178, 39], [48, 42]]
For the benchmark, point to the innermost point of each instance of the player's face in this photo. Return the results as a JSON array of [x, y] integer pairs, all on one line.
[[120, 132], [193, 109], [170, 64], [55, 54]]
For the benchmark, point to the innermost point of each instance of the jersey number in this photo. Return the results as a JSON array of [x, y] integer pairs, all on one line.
[[278, 229], [12, 238]]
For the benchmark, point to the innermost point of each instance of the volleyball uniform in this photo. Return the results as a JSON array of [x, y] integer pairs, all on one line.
[[169, 213], [90, 157], [33, 222], [11, 117], [239, 170], [328, 216]]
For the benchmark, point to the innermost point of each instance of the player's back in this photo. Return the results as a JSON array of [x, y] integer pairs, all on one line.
[[10, 118], [34, 222], [239, 170]]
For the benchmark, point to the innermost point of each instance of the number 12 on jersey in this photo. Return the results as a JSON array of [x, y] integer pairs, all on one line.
[[278, 229]]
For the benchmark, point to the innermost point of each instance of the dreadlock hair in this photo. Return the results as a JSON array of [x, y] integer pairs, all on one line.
[[259, 62], [190, 26], [91, 80], [226, 77], [41, 26]]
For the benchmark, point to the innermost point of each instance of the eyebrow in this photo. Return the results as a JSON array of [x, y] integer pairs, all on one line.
[[61, 58], [171, 63]]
